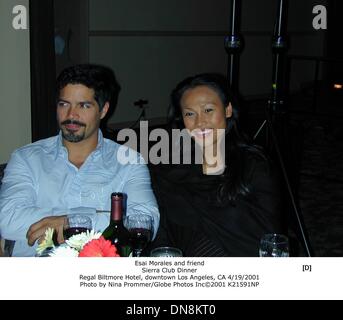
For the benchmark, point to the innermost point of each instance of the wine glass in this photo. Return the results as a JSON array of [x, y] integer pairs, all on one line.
[[76, 224], [274, 245], [166, 252], [140, 227]]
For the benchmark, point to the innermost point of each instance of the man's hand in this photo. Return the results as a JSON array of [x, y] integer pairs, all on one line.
[[37, 230]]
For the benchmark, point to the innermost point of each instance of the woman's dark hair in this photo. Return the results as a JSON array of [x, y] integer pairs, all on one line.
[[99, 78], [237, 144]]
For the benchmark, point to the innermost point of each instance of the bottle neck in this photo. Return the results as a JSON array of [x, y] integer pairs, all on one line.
[[116, 210]]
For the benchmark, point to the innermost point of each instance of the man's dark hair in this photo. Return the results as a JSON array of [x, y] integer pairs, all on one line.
[[99, 78]]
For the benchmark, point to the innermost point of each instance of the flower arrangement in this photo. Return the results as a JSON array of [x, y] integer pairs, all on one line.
[[85, 244]]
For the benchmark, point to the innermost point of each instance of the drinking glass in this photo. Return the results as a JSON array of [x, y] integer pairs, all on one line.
[[274, 245], [140, 227], [166, 252], [76, 224]]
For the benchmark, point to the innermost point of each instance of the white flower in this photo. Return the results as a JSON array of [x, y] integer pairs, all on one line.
[[64, 252], [47, 242], [70, 248], [79, 240]]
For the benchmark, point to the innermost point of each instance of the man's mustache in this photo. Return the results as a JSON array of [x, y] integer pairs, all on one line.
[[73, 122]]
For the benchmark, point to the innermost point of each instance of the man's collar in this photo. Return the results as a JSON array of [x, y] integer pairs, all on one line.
[[61, 148]]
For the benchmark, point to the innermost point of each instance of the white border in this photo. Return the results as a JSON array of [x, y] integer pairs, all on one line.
[[279, 278]]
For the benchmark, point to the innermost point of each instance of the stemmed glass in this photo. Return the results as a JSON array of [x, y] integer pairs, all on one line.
[[140, 227], [76, 224], [166, 252], [274, 245]]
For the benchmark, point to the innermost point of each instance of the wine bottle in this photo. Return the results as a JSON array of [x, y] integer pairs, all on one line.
[[116, 232]]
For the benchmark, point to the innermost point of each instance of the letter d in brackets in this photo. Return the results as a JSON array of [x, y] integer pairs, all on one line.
[[20, 20], [307, 268]]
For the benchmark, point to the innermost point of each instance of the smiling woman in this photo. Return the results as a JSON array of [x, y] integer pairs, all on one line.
[[205, 115], [220, 210]]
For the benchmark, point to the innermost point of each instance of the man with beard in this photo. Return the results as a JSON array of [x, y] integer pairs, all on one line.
[[74, 172]]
